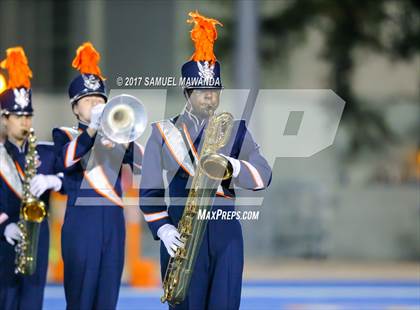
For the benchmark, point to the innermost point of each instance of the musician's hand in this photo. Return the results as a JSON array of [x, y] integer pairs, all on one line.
[[170, 238], [95, 116], [107, 143], [40, 183], [12, 233]]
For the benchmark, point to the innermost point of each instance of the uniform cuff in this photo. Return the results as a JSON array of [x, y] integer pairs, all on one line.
[[155, 225], [3, 224]]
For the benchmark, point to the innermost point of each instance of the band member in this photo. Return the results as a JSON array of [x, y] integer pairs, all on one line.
[[174, 147], [17, 291], [93, 233]]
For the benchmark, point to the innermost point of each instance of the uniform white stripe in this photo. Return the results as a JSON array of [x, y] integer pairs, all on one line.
[[155, 216], [45, 143], [70, 161], [255, 174]]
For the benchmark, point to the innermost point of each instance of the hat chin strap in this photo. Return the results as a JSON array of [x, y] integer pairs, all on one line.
[[188, 109]]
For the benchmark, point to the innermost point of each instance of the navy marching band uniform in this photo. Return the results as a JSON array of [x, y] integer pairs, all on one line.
[[174, 146], [17, 291], [93, 233]]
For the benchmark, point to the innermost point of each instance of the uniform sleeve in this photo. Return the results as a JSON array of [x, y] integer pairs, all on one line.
[[152, 191], [134, 156], [255, 173], [69, 152], [4, 218], [49, 154]]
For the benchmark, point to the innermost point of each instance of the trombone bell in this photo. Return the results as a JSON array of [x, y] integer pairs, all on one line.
[[124, 119]]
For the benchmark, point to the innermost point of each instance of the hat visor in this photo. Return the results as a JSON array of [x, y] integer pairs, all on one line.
[[18, 113]]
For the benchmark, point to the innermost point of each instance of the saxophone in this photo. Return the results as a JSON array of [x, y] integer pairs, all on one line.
[[32, 213], [211, 170]]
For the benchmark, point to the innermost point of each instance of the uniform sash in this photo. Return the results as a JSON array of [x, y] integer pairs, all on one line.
[[96, 177], [9, 172]]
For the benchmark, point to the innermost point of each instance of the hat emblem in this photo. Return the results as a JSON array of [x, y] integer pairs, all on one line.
[[205, 71], [91, 82], [21, 97]]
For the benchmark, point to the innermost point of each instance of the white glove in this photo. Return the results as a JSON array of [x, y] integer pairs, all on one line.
[[12, 232], [40, 183], [95, 116], [236, 165], [170, 238]]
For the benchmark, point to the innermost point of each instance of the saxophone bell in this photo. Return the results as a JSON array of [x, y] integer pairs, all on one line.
[[34, 210], [216, 167]]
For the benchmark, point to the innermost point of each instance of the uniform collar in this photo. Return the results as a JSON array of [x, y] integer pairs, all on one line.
[[15, 149], [82, 126], [192, 121]]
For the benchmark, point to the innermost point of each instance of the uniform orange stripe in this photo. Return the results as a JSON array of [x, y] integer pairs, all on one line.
[[159, 218], [108, 183], [154, 212], [67, 133], [92, 185], [73, 155], [223, 195], [19, 169], [187, 133]]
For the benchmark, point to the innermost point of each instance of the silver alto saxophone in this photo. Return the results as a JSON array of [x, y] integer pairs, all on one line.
[[32, 213], [211, 170]]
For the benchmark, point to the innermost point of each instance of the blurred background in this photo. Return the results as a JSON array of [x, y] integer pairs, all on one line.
[[350, 212]]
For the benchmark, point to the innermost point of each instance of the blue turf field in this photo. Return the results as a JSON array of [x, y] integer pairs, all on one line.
[[293, 295]]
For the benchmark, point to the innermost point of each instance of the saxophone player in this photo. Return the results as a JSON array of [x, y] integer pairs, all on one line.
[[17, 291], [93, 234], [173, 148]]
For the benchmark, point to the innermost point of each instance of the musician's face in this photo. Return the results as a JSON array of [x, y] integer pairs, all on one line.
[[17, 126], [204, 101], [84, 106]]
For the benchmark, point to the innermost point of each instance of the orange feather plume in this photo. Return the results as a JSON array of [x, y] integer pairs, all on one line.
[[87, 59], [203, 35], [17, 67]]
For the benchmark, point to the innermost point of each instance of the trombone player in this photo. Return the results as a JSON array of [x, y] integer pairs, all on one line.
[[19, 291], [93, 233], [174, 147]]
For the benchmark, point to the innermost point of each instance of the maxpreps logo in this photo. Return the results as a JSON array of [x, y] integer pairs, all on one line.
[[219, 214]]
